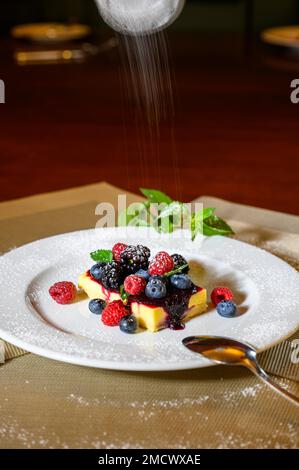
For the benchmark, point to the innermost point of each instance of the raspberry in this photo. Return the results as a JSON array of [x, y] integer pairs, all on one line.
[[220, 294], [134, 285], [63, 292], [113, 313], [117, 250], [161, 264]]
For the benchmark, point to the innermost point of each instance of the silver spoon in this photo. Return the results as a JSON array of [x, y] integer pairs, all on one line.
[[233, 353]]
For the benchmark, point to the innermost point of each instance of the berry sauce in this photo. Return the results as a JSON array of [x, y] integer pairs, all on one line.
[[175, 303]]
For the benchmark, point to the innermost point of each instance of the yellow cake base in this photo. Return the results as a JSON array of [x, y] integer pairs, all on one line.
[[155, 318], [95, 290]]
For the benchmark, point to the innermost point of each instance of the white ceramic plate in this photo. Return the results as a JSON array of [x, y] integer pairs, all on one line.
[[266, 290]]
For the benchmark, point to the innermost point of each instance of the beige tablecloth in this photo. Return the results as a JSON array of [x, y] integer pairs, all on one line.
[[45, 404]]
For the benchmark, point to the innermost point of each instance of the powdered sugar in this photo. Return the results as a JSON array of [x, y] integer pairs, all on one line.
[[193, 415]]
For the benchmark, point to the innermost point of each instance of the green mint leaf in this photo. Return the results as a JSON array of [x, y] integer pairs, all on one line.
[[156, 196], [104, 256], [172, 216], [196, 224], [138, 221], [208, 212], [176, 271], [197, 220], [164, 225], [135, 216], [123, 294], [175, 208], [123, 219], [214, 225]]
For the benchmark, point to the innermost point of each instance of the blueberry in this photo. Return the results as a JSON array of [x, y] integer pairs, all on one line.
[[97, 271], [128, 324], [156, 288], [96, 306], [181, 281], [159, 278], [143, 273], [227, 308]]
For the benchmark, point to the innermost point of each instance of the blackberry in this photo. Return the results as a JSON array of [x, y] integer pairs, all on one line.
[[134, 258], [179, 260], [112, 275]]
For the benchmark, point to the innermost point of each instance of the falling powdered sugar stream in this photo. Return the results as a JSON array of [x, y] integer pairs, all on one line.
[[147, 76], [147, 80], [143, 45], [147, 86]]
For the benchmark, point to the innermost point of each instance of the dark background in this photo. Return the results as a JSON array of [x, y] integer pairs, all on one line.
[[199, 15], [235, 133]]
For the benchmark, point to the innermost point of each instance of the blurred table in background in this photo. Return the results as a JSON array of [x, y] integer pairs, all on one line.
[[235, 133]]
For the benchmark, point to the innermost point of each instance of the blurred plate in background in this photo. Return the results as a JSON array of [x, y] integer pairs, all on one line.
[[287, 36], [50, 32]]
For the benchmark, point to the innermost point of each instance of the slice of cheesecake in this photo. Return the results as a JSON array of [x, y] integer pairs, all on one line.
[[172, 311], [179, 306]]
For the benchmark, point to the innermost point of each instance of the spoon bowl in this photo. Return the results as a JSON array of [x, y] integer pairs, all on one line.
[[230, 352], [220, 350]]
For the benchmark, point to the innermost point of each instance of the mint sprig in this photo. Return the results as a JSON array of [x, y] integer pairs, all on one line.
[[214, 225], [104, 256], [178, 270], [209, 224], [123, 294], [165, 214]]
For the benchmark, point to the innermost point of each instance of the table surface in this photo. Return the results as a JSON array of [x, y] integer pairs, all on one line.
[[234, 134]]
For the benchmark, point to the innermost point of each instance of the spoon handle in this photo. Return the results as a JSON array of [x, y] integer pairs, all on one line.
[[259, 372]]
